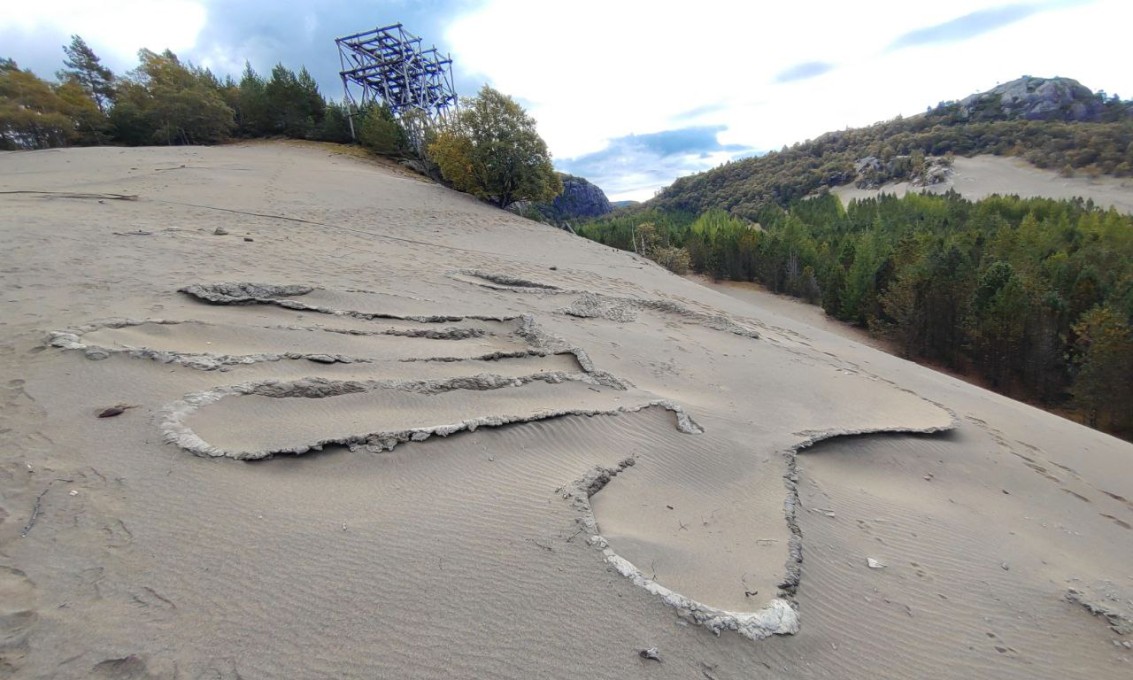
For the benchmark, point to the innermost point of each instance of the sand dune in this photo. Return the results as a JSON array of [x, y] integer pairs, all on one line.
[[487, 448], [981, 176]]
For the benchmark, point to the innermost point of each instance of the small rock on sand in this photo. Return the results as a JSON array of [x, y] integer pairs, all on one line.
[[650, 654], [874, 564]]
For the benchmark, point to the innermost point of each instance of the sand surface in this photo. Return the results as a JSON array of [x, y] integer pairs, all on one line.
[[981, 176], [465, 445]]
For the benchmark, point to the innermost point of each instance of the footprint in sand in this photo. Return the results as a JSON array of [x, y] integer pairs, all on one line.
[[17, 616]]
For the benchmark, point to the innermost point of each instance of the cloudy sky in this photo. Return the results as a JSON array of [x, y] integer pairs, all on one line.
[[634, 93]]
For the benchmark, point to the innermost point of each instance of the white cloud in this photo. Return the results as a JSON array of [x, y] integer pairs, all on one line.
[[633, 66], [596, 71], [115, 29]]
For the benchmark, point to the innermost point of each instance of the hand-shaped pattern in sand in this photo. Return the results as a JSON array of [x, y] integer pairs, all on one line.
[[384, 378]]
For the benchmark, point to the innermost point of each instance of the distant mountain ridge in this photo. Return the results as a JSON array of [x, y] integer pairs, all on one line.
[[1055, 123]]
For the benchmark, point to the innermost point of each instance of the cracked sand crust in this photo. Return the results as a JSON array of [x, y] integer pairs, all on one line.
[[778, 616]]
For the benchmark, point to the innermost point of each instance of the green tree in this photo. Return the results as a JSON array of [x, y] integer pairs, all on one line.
[[253, 113], [130, 122], [992, 286], [903, 302], [294, 106], [1104, 384], [997, 323], [164, 101], [32, 116], [380, 132], [493, 152], [861, 278], [86, 68], [89, 125], [336, 124]]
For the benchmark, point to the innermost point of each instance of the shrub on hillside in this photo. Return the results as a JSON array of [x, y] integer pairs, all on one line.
[[675, 260], [380, 132]]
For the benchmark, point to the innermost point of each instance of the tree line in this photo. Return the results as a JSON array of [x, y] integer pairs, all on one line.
[[163, 100], [489, 149], [1035, 296]]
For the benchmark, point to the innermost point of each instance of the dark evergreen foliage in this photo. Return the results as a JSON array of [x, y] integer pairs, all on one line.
[[1034, 295], [379, 131]]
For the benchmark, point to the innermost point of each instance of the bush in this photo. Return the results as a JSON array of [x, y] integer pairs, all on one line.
[[380, 132], [675, 260]]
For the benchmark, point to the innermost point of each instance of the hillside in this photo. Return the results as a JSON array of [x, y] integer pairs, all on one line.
[[1050, 123], [985, 175], [1019, 276], [273, 411]]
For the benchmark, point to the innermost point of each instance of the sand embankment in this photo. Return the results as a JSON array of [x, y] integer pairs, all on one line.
[[487, 448], [981, 176]]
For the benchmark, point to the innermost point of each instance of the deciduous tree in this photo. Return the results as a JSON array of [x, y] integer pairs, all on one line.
[[31, 113], [493, 151]]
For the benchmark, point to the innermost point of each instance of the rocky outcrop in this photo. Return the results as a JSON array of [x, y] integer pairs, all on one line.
[[918, 170], [1034, 99], [580, 198]]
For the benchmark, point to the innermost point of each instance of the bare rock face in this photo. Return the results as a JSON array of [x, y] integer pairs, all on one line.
[[1034, 99], [580, 198], [920, 171]]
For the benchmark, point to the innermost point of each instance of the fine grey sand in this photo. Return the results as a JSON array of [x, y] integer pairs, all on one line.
[[981, 176], [465, 445]]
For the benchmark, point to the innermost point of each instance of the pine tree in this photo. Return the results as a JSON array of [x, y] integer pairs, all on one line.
[[253, 115], [1104, 384], [164, 101], [295, 106], [85, 68]]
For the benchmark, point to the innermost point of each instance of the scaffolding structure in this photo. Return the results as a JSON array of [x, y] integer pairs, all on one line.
[[388, 65]]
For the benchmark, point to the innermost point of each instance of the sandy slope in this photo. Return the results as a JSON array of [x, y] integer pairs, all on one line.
[[521, 454], [981, 176]]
